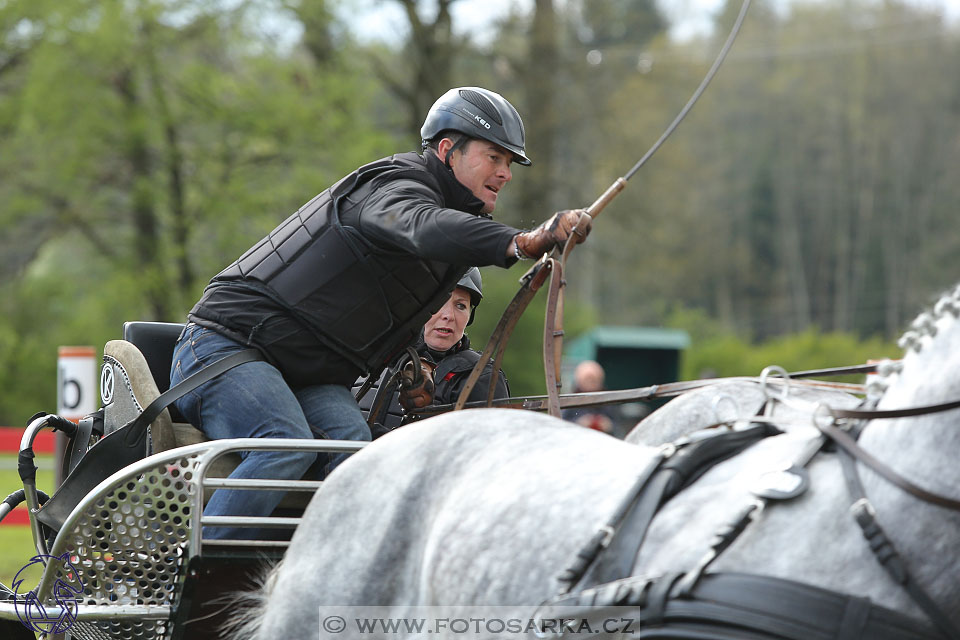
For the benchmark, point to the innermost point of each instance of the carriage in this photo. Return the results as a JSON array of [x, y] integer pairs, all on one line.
[[121, 540]]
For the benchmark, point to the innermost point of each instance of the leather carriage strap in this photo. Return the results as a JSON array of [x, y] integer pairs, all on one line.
[[136, 429], [864, 514], [871, 414], [736, 606], [611, 553]]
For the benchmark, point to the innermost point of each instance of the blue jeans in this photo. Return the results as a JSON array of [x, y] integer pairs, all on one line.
[[252, 400]]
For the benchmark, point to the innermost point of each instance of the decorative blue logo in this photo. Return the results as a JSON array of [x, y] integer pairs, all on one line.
[[57, 619]]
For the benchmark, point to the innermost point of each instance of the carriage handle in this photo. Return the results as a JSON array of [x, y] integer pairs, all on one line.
[[28, 469]]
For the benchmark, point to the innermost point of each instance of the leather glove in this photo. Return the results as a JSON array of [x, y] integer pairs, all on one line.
[[555, 231], [416, 384]]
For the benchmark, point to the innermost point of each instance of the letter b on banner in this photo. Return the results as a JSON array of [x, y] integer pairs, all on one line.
[[76, 382], [76, 394]]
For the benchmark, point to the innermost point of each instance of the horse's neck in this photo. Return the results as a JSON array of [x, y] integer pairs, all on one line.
[[923, 449]]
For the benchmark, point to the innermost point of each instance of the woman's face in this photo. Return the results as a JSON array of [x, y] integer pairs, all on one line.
[[445, 328]]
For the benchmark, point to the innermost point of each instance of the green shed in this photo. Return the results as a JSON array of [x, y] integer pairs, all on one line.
[[631, 356]]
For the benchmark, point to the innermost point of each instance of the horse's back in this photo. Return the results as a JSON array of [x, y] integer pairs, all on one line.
[[403, 522], [728, 400]]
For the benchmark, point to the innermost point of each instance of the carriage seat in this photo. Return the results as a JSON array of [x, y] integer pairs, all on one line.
[[140, 368]]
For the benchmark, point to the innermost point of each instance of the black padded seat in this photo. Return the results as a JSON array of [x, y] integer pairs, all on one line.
[[156, 341]]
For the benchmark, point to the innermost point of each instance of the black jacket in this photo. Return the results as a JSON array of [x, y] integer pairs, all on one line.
[[452, 368], [344, 284]]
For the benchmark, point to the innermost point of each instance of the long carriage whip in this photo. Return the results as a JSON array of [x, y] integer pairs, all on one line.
[[534, 278]]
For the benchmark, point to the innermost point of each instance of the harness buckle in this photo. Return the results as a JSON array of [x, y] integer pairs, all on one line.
[[863, 506], [607, 532], [667, 450]]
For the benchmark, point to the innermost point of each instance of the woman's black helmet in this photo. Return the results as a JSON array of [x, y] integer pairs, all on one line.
[[472, 282], [478, 113]]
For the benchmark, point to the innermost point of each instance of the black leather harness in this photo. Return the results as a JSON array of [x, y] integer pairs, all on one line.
[[721, 606], [737, 606]]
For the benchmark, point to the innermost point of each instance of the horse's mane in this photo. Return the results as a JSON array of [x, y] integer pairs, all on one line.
[[921, 334]]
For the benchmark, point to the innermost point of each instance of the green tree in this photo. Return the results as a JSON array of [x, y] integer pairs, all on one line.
[[176, 136]]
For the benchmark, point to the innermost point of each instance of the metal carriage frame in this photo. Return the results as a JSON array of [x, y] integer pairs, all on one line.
[[132, 554], [127, 558]]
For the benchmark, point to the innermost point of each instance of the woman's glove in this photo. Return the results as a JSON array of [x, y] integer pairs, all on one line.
[[416, 384]]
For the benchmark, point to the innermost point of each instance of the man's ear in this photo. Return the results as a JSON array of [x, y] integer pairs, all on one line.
[[444, 147]]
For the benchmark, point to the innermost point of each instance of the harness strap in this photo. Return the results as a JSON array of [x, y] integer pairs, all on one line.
[[737, 606], [572, 575], [849, 445], [618, 558], [532, 280], [870, 414], [553, 336], [855, 617], [612, 552], [136, 429], [884, 551]]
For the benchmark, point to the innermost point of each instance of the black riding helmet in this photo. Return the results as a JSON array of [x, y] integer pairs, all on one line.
[[478, 113], [472, 282]]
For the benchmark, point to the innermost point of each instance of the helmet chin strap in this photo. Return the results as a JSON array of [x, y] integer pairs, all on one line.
[[456, 145]]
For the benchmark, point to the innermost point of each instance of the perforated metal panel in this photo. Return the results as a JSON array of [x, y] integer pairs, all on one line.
[[128, 546], [109, 629]]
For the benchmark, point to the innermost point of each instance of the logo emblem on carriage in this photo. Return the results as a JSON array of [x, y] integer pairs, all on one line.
[[106, 384], [55, 617]]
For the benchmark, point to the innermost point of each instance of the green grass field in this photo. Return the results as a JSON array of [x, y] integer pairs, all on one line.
[[16, 544]]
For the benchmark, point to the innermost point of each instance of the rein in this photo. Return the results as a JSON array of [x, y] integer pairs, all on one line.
[[664, 390], [850, 447]]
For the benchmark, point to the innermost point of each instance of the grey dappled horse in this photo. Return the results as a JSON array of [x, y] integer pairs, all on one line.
[[487, 507]]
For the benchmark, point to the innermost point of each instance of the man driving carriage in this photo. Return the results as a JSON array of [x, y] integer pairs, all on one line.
[[343, 285]]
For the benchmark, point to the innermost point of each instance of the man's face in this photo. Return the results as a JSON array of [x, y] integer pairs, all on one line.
[[445, 328], [484, 168]]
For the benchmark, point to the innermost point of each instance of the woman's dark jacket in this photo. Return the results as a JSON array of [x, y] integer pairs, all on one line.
[[452, 368], [344, 284]]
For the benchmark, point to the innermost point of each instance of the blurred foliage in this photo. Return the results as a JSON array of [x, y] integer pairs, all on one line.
[[716, 351]]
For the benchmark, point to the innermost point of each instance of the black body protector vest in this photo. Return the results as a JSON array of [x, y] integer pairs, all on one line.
[[361, 301]]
